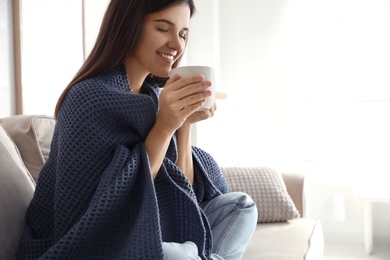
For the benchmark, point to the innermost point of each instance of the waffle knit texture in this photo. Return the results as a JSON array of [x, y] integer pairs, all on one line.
[[95, 198]]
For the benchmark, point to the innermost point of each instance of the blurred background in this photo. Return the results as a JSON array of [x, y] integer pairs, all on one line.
[[307, 88]]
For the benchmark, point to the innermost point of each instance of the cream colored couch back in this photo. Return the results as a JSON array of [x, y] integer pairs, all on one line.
[[32, 135]]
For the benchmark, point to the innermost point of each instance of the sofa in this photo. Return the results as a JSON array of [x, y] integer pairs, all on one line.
[[283, 231]]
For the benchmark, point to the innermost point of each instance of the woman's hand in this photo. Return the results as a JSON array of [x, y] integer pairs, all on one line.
[[179, 100], [201, 115], [184, 149]]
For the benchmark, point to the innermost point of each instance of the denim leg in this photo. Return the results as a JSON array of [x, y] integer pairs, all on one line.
[[233, 219]]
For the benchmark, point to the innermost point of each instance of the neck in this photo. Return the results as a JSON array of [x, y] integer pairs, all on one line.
[[135, 76]]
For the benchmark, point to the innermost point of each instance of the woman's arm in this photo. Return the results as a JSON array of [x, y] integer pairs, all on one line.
[[184, 161], [157, 143], [184, 146], [178, 101]]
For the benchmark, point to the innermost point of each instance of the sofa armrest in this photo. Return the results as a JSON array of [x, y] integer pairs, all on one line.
[[295, 184]]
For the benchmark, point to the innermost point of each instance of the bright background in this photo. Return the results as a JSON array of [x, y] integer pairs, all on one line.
[[307, 82]]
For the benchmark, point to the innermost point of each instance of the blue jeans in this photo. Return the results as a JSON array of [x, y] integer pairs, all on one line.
[[233, 218]]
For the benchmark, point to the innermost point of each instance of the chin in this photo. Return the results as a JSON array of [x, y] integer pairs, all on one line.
[[161, 74]]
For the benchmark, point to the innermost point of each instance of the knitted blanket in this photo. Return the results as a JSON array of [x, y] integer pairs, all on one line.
[[95, 198]]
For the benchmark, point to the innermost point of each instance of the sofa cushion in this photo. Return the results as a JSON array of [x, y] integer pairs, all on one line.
[[267, 189], [296, 239], [16, 191], [32, 135]]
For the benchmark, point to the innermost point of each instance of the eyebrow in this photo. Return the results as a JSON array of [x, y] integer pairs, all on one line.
[[169, 22]]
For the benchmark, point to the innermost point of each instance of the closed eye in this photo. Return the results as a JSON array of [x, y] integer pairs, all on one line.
[[183, 36]]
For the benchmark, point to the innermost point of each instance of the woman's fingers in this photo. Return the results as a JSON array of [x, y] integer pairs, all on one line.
[[196, 99], [181, 97], [202, 115], [187, 91], [176, 83], [172, 79]]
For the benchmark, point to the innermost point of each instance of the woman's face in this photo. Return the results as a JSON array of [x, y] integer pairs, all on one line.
[[162, 40]]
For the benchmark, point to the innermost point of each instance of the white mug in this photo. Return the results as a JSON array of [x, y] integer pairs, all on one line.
[[208, 72]]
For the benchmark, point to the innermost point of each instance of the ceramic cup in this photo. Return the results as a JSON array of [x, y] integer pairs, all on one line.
[[208, 72]]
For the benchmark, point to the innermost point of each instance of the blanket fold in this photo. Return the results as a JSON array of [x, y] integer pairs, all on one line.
[[95, 198]]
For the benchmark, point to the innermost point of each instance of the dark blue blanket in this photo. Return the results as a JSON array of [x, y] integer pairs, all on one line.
[[95, 198]]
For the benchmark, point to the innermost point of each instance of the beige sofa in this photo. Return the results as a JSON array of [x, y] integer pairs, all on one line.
[[283, 231]]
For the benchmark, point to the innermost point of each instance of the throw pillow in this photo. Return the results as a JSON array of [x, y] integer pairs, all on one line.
[[32, 135], [16, 191], [267, 189]]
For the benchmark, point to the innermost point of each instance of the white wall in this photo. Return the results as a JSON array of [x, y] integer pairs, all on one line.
[[6, 60], [93, 16], [274, 59], [256, 70], [52, 51]]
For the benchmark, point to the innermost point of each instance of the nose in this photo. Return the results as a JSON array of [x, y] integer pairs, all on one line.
[[177, 43]]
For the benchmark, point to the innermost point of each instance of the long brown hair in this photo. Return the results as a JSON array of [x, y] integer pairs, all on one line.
[[117, 37]]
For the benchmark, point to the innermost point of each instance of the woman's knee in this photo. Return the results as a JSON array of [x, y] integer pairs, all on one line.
[[246, 203], [242, 199], [230, 203]]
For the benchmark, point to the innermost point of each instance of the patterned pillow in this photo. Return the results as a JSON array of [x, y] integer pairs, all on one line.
[[267, 189]]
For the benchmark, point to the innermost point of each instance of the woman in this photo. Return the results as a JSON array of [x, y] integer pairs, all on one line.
[[122, 180]]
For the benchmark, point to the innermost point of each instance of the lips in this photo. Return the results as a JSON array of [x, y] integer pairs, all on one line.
[[166, 56]]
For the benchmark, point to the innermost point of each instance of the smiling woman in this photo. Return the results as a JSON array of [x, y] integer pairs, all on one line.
[[121, 154], [161, 42]]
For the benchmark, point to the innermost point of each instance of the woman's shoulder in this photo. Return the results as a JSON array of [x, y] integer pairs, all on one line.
[[99, 86], [111, 81]]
